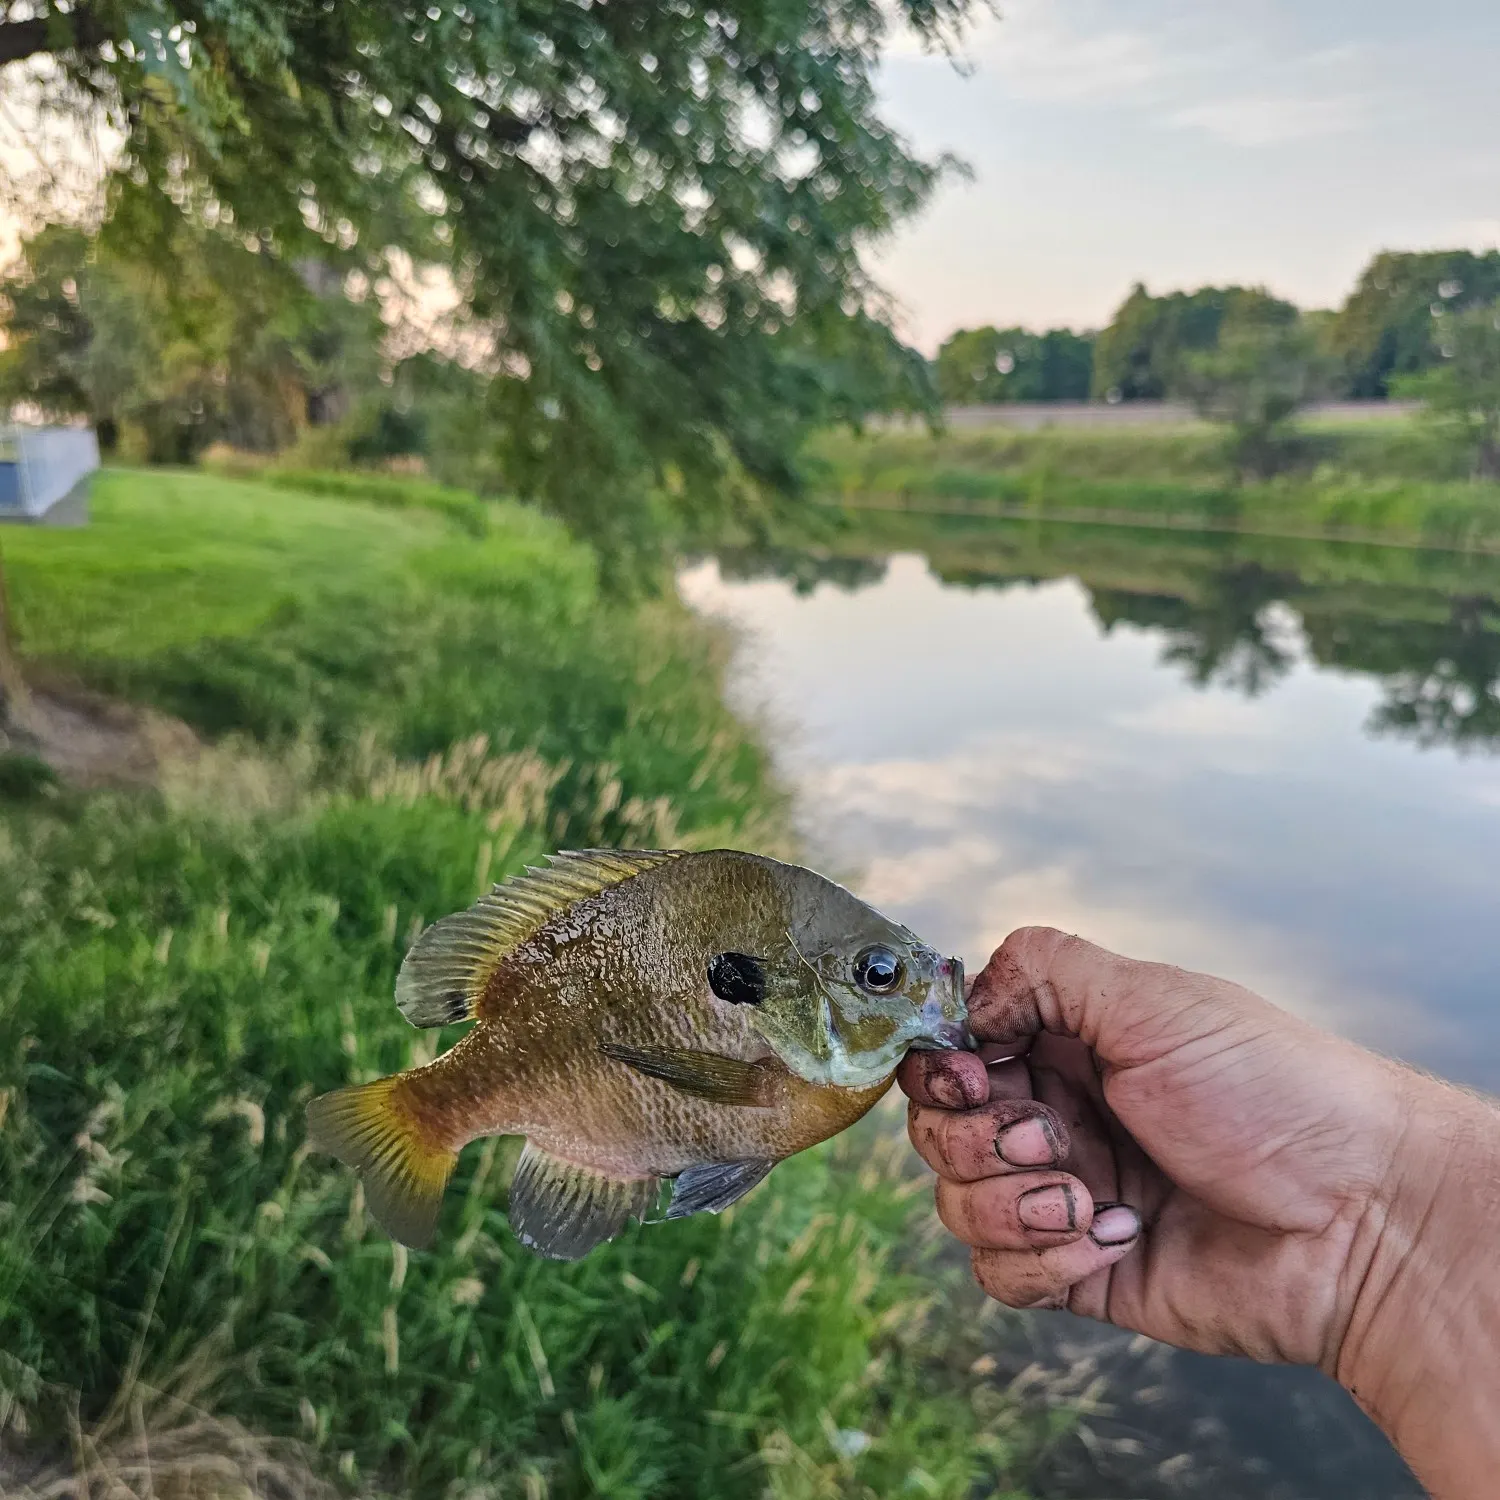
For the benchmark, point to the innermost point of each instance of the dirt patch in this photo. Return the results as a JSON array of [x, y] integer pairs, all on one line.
[[90, 740]]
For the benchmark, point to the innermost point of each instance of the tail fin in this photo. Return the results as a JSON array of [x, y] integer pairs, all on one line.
[[404, 1175]]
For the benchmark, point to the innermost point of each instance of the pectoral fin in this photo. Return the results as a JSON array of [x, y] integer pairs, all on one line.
[[724, 1080], [562, 1210], [712, 1187]]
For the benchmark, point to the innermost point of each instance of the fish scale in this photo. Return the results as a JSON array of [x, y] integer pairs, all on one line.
[[599, 1036]]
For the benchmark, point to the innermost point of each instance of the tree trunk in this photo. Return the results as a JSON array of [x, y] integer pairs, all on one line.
[[13, 693]]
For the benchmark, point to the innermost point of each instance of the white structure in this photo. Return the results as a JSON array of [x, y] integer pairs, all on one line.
[[40, 465]]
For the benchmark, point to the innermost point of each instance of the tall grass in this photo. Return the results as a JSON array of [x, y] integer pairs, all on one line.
[[393, 713], [1394, 481]]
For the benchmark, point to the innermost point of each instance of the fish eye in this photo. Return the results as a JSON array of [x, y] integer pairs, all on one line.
[[878, 971]]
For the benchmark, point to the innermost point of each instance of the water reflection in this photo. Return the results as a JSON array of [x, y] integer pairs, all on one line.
[[1264, 759], [1426, 625]]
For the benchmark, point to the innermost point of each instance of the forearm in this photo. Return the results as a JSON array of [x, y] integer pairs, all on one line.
[[1422, 1349]]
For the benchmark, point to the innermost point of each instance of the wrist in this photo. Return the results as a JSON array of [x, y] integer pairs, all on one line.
[[1421, 1349]]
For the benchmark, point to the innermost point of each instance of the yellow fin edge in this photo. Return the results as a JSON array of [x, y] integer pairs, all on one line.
[[404, 1176]]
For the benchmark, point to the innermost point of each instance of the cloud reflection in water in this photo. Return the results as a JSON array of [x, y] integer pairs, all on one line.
[[985, 758]]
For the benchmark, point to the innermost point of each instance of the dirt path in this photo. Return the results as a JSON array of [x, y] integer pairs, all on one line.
[[91, 740]]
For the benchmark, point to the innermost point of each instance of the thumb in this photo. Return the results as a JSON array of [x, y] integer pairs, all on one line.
[[1127, 1011]]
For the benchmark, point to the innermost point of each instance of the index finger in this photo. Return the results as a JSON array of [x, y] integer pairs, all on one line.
[[944, 1080], [1127, 1011]]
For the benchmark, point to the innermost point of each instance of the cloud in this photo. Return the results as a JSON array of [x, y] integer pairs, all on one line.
[[1058, 51], [1234, 75], [1045, 58], [1268, 120]]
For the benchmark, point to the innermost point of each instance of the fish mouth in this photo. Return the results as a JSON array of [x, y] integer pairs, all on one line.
[[945, 1017]]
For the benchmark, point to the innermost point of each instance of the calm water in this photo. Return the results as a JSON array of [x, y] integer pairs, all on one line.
[[1269, 761]]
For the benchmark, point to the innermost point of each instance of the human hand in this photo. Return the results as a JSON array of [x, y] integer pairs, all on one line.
[[1248, 1143], [1172, 1154]]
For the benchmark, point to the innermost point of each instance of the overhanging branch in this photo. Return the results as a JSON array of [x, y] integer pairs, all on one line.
[[76, 31]]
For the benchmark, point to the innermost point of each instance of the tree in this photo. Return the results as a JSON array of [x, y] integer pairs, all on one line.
[[1387, 328], [1261, 373], [1462, 391], [206, 341], [1140, 356], [13, 694], [1225, 633], [657, 210], [991, 364]]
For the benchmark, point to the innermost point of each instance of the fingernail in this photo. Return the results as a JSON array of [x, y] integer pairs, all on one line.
[[947, 1092], [1050, 1208], [1028, 1143], [1114, 1224]]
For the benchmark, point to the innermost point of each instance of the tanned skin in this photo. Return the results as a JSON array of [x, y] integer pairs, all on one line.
[[1170, 1153]]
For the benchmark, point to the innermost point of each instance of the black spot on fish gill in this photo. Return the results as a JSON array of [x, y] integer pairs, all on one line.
[[737, 978]]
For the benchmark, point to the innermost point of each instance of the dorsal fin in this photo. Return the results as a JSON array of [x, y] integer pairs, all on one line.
[[446, 972]]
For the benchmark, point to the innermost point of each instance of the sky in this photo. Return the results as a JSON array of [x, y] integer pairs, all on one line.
[[1184, 142]]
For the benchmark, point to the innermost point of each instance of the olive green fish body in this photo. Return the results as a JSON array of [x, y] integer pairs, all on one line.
[[604, 1114], [639, 1017]]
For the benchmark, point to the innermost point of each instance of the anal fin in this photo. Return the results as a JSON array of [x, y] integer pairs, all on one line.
[[724, 1080], [711, 1187], [562, 1210]]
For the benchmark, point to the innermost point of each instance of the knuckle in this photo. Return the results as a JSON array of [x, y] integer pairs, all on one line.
[[953, 1209], [924, 1128], [1013, 1278]]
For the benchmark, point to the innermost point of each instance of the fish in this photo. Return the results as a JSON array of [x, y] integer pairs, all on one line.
[[641, 1017]]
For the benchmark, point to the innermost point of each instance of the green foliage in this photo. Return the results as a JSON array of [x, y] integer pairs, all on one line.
[[1388, 327], [24, 777], [1386, 447], [200, 983], [655, 212], [1260, 374], [989, 364], [1462, 391], [1373, 480], [1140, 356], [408, 712], [196, 341]]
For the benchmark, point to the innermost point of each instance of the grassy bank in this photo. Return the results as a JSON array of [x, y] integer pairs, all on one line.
[[392, 711], [1395, 481]]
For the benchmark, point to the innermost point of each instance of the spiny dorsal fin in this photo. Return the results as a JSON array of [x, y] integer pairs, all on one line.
[[724, 1080], [445, 974], [562, 1210]]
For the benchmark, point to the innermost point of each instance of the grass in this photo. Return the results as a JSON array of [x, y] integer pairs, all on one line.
[[394, 712], [1395, 481]]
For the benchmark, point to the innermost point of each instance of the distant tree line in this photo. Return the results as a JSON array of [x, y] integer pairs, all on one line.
[[1396, 324]]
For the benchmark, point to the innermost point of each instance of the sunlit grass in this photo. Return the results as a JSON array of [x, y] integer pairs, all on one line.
[[394, 714]]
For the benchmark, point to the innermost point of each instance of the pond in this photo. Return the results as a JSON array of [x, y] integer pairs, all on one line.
[[1268, 760]]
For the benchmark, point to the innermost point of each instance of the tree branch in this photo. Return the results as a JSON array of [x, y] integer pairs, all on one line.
[[76, 31]]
